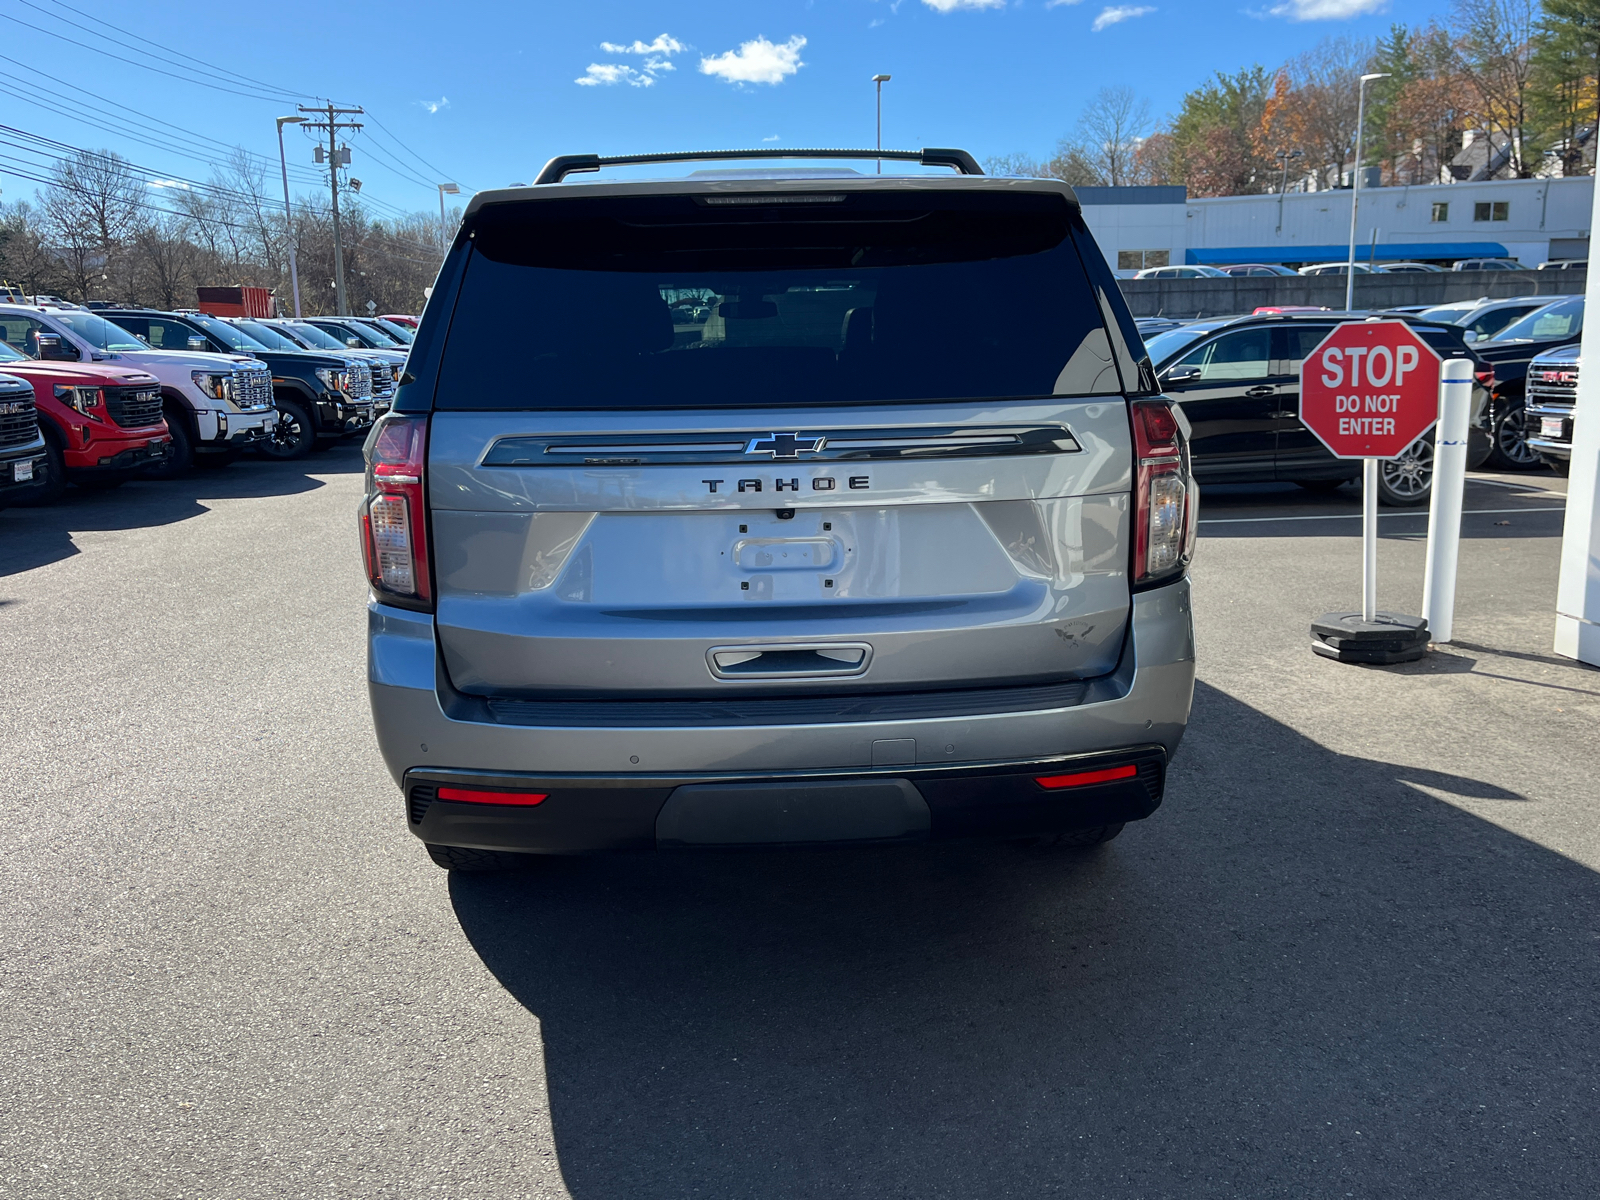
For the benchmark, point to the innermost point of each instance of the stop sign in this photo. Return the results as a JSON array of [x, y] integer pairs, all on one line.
[[1370, 389]]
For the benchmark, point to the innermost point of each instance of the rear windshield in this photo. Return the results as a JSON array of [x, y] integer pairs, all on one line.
[[769, 298]]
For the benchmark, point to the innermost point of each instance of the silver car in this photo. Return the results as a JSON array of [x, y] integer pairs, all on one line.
[[890, 543]]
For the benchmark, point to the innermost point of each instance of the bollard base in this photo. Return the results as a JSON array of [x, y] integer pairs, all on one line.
[[1390, 638]]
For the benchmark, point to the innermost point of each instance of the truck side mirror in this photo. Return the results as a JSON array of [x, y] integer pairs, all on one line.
[[1182, 375], [53, 349], [196, 342], [353, 342]]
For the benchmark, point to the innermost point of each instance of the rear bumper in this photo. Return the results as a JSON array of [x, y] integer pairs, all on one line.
[[1139, 710]]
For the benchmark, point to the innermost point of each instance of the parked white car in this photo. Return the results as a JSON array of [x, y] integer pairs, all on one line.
[[214, 404], [1181, 273]]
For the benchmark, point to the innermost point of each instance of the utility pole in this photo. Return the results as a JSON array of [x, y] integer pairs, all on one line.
[[335, 160], [880, 80]]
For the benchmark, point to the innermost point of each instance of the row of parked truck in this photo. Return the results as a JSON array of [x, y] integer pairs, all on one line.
[[94, 398]]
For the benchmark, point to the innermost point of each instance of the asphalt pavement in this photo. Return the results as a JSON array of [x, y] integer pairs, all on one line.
[[1355, 954]]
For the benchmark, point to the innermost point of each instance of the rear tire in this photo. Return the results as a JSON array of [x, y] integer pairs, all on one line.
[[464, 858]]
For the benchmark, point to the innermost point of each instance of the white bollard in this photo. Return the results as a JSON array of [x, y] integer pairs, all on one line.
[[1444, 509]]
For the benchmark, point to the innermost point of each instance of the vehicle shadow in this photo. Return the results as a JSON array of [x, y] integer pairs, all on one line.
[[1302, 977], [36, 536]]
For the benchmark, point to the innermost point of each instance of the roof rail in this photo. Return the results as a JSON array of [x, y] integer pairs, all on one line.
[[562, 165]]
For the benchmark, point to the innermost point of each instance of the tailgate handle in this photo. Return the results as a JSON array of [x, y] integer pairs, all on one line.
[[789, 660]]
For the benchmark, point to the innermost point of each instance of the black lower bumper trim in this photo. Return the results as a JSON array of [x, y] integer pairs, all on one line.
[[588, 814]]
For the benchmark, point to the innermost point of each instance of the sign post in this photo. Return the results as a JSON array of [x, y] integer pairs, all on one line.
[[1444, 510], [1369, 391]]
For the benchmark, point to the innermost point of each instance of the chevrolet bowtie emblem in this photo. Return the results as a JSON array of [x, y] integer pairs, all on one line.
[[785, 445]]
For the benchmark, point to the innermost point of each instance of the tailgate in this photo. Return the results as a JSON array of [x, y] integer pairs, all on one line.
[[873, 548]]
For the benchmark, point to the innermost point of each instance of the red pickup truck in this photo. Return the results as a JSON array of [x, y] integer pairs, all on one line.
[[101, 424]]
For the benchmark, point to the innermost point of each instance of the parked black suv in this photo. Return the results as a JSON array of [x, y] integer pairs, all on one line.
[[1237, 379], [22, 447], [319, 397]]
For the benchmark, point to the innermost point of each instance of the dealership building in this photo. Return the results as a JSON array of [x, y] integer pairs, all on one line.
[[1530, 220]]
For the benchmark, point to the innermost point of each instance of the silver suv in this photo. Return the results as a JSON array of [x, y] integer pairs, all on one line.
[[827, 507]]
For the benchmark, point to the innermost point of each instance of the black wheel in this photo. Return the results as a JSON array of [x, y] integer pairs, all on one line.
[[53, 473], [1561, 466], [294, 436], [1509, 436], [180, 452], [462, 858], [1407, 481], [1321, 487]]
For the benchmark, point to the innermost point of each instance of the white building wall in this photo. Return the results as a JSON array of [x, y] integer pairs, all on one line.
[[1539, 211]]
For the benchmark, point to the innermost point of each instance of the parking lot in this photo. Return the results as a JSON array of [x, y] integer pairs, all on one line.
[[1354, 954]]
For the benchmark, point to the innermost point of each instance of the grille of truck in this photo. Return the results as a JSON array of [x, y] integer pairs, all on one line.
[[382, 383], [133, 407], [360, 382], [251, 387], [19, 424], [1553, 385]]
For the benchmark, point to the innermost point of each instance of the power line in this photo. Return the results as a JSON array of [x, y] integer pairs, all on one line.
[[135, 63], [408, 149], [167, 50]]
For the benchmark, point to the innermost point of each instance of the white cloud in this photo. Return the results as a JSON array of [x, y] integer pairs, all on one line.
[[1059, 3], [1119, 12], [664, 44], [434, 106], [773, 138], [611, 74], [757, 61], [169, 183], [655, 54], [1326, 10], [945, 6]]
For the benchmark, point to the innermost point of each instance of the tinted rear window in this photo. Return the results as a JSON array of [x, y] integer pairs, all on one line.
[[635, 302]]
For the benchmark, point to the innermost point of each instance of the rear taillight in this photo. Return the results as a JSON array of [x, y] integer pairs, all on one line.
[[480, 796], [1085, 778], [394, 519], [1164, 492]]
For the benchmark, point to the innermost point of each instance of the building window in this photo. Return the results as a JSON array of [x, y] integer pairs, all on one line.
[[1441, 213], [1138, 260], [1498, 210]]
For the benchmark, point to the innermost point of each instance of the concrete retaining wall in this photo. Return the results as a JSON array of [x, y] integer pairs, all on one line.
[[1225, 297]]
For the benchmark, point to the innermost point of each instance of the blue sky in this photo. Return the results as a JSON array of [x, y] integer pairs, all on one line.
[[483, 92]]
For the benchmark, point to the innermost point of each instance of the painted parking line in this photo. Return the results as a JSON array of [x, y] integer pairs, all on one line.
[[1355, 516]]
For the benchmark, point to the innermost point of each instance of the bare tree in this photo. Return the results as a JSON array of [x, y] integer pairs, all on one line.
[[1494, 40], [1323, 103], [1112, 127], [92, 203]]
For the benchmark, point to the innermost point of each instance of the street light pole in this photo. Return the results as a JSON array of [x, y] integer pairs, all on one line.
[[1283, 156], [1355, 188], [288, 216], [445, 189], [880, 80]]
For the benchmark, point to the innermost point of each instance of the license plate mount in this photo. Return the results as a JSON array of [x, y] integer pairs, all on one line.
[[21, 472], [1551, 426]]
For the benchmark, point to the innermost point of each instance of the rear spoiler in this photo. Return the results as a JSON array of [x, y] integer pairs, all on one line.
[[562, 165]]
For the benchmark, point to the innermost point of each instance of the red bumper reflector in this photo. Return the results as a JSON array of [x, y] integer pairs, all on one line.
[[474, 796], [1081, 779]]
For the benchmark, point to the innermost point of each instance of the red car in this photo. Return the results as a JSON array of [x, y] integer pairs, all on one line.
[[101, 424], [401, 319]]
